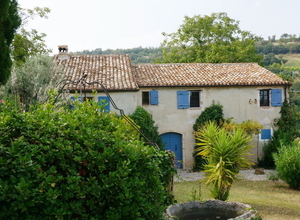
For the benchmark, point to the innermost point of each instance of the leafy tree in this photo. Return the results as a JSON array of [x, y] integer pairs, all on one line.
[[29, 42], [32, 81], [209, 39], [9, 22], [145, 121], [226, 153]]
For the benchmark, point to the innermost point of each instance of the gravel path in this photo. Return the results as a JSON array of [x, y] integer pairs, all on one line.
[[184, 175]]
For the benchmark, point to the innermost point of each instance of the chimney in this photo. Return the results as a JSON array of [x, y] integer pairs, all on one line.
[[63, 52]]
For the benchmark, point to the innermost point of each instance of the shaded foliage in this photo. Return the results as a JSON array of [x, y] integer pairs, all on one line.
[[146, 123], [287, 130], [9, 23]]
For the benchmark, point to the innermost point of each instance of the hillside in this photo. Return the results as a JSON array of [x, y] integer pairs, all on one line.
[[293, 59]]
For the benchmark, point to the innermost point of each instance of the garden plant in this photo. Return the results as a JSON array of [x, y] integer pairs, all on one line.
[[84, 163], [225, 153], [287, 162]]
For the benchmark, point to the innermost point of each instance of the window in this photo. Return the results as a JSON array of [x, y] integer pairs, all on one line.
[[270, 96], [104, 101], [188, 99], [265, 134], [264, 98], [150, 97]]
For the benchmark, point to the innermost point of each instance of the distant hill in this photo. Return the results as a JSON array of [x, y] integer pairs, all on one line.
[[137, 55]]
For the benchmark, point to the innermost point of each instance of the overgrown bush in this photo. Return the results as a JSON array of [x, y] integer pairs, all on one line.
[[146, 123], [287, 161], [78, 164]]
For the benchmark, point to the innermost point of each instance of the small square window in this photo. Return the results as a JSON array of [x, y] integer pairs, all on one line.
[[265, 134]]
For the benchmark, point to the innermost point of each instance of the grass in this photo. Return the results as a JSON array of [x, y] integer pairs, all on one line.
[[293, 59], [273, 201]]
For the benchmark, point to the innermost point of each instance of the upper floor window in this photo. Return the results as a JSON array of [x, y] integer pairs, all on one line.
[[264, 98], [188, 99], [270, 96], [150, 97]]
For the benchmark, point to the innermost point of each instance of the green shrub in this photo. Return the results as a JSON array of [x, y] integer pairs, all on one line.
[[78, 164], [287, 162], [146, 123]]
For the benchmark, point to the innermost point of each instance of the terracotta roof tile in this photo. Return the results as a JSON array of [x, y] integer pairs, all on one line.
[[116, 72], [113, 71], [205, 74]]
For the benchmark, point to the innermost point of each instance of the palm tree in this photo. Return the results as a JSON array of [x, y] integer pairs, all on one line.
[[225, 153]]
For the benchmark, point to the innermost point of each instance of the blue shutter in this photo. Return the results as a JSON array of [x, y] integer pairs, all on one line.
[[104, 101], [154, 97], [276, 97], [265, 134], [183, 99]]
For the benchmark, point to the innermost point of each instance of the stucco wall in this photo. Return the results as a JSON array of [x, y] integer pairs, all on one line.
[[168, 118], [236, 105], [127, 101]]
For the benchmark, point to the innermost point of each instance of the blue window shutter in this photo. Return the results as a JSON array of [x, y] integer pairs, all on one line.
[[276, 97], [183, 99], [154, 97], [265, 134], [103, 100]]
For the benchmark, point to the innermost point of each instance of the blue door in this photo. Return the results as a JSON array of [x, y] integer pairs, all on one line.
[[173, 142]]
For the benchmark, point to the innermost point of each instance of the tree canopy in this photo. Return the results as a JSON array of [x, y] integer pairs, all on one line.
[[29, 42], [9, 22], [210, 39]]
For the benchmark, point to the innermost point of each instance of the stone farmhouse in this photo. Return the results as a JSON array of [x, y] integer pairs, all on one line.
[[176, 94]]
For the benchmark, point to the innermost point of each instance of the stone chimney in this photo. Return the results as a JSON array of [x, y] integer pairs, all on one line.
[[63, 52]]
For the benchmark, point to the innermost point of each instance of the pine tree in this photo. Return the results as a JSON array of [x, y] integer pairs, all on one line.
[[9, 22]]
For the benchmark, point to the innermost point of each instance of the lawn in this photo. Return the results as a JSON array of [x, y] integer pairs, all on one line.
[[273, 200]]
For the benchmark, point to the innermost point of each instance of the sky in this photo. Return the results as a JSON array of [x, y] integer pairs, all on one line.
[[123, 24]]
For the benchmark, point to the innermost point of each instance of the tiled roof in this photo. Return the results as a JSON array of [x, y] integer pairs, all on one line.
[[116, 72], [113, 71], [205, 74]]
